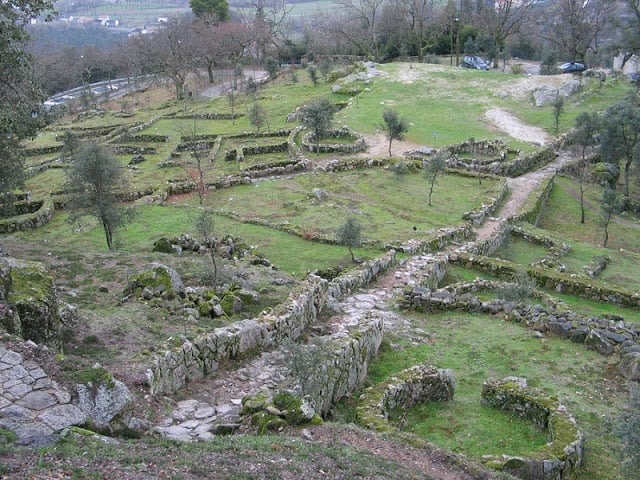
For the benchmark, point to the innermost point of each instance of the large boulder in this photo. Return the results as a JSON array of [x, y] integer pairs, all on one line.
[[547, 94], [158, 279], [106, 401], [28, 301], [629, 366]]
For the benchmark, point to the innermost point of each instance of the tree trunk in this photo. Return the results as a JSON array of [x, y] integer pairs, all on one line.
[[433, 181], [390, 140], [353, 259], [627, 167], [210, 73], [107, 233], [581, 203]]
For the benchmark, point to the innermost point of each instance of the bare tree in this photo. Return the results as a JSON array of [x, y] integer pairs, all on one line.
[[198, 149], [170, 52], [269, 26], [220, 45], [503, 19], [573, 26], [364, 13]]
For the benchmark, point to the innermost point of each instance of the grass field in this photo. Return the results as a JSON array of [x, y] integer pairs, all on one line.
[[480, 347]]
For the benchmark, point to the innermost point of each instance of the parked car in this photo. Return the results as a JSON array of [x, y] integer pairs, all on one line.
[[471, 61], [572, 67]]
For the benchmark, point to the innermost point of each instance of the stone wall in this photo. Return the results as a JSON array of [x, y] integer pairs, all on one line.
[[532, 209], [607, 335], [550, 279], [561, 457], [436, 243], [350, 357], [327, 371], [36, 219], [413, 386], [358, 144], [195, 359], [480, 214]]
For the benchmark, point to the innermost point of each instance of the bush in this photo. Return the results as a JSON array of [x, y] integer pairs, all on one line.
[[521, 289]]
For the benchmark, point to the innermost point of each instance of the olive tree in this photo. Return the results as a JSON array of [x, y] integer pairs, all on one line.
[[349, 234], [433, 168], [620, 136], [317, 116], [394, 126], [609, 206], [93, 181]]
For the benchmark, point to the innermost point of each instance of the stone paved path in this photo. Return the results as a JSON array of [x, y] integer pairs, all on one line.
[[32, 405]]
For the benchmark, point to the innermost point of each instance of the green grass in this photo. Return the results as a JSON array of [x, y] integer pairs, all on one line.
[[520, 251], [388, 209], [480, 347]]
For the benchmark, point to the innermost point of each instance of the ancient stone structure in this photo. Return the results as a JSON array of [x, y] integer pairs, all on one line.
[[413, 386], [203, 355], [561, 457], [607, 335], [28, 302]]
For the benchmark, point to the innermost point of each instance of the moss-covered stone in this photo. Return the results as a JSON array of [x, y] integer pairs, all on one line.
[[163, 245], [31, 295], [296, 410], [255, 403], [267, 422]]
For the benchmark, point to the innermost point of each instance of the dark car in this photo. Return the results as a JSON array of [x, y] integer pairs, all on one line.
[[635, 78], [572, 67], [471, 61]]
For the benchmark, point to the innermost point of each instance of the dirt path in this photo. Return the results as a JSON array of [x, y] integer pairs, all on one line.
[[520, 189], [508, 123]]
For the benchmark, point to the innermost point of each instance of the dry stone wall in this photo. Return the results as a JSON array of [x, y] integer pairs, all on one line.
[[28, 221], [413, 386], [561, 457], [607, 335], [193, 360]]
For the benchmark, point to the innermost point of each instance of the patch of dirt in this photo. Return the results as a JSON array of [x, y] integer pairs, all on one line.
[[378, 146], [511, 125], [435, 463]]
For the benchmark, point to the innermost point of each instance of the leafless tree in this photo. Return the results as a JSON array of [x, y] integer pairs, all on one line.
[[220, 45], [170, 52], [573, 26], [503, 19], [366, 14]]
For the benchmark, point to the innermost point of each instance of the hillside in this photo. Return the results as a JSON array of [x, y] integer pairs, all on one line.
[[431, 286]]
